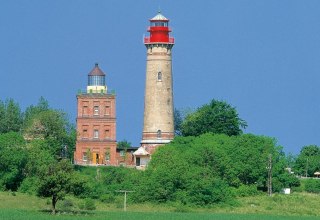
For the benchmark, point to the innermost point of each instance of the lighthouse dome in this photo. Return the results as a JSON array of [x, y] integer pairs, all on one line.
[[96, 81], [159, 17], [96, 77]]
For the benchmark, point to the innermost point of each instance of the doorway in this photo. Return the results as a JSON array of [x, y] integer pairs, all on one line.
[[137, 161]]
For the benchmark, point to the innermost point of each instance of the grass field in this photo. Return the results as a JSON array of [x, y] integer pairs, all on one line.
[[34, 215], [296, 206]]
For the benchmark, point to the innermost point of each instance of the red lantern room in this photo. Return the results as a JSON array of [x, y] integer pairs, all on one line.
[[159, 31]]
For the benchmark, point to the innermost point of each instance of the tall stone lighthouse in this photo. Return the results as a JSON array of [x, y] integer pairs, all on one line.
[[158, 126]]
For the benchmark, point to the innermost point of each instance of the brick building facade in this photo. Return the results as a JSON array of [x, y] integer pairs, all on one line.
[[96, 123]]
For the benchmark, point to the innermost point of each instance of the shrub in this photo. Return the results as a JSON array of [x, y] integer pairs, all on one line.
[[246, 190], [209, 191], [89, 204], [67, 205], [107, 198], [29, 185], [312, 185]]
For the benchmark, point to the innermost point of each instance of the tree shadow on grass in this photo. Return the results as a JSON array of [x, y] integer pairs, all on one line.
[[68, 212]]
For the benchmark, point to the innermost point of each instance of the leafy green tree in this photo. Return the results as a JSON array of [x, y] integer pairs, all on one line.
[[56, 181], [177, 121], [312, 185], [308, 161], [123, 144], [2, 117], [217, 117], [31, 111], [38, 158], [11, 116], [53, 127], [203, 170], [13, 158], [179, 116]]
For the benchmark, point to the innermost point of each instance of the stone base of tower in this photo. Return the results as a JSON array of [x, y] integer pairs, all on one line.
[[152, 140]]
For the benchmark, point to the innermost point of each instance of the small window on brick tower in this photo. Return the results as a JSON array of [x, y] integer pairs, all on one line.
[[159, 76], [107, 110], [95, 134], [84, 156], [159, 134], [85, 110], [107, 133], [96, 110], [85, 133]]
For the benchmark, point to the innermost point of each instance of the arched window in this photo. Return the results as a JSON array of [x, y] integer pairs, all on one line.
[[159, 134], [159, 76]]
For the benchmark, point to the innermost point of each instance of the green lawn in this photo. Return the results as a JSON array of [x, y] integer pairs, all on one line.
[[296, 206], [35, 215]]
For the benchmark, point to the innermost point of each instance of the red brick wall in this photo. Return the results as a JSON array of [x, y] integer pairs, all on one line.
[[89, 120]]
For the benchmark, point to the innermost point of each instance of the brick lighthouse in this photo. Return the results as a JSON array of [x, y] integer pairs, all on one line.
[[158, 126], [96, 123]]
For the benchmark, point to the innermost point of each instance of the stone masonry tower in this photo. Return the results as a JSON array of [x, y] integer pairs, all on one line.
[[96, 123], [158, 126]]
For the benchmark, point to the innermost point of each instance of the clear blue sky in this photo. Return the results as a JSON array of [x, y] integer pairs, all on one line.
[[263, 57]]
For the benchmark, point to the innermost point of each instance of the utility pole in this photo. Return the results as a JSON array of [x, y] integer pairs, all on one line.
[[269, 167], [125, 198]]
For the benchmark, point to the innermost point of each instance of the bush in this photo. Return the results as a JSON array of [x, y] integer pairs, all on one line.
[[29, 185], [246, 190], [312, 185], [209, 191], [107, 198], [89, 204], [67, 205]]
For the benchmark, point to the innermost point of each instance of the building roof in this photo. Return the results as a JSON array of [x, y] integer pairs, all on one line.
[[96, 71], [141, 152], [159, 17], [127, 148]]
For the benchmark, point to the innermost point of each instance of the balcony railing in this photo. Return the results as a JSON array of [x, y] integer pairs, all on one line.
[[159, 29], [147, 40], [109, 92]]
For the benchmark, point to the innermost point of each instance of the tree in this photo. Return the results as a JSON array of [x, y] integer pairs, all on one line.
[[308, 161], [2, 117], [177, 121], [123, 144], [13, 157], [56, 181], [53, 127], [31, 111], [202, 170], [179, 116], [217, 117], [11, 117]]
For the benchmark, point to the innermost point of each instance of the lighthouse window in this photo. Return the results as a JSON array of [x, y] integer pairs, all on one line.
[[159, 134], [159, 76], [85, 111], [84, 156], [160, 24], [96, 110], [85, 133], [95, 134], [107, 133], [96, 81]]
